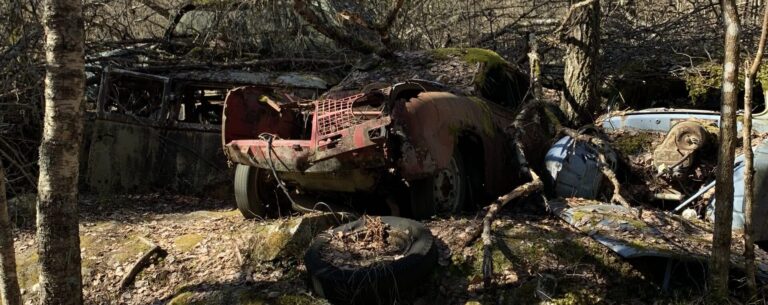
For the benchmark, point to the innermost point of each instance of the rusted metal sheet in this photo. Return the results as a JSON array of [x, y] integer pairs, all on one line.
[[650, 233], [432, 123], [133, 157], [150, 131]]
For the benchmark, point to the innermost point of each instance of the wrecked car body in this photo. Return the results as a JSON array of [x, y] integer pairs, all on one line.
[[662, 119], [417, 140], [667, 159], [151, 131]]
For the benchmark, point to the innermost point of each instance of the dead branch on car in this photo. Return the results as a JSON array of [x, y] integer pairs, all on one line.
[[602, 162]]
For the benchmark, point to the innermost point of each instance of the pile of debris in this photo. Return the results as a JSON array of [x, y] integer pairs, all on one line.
[[376, 243]]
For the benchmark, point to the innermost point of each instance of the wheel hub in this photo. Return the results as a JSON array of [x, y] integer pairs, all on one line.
[[446, 188]]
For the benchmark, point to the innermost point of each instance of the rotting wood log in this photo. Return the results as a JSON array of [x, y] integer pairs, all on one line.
[[141, 263]]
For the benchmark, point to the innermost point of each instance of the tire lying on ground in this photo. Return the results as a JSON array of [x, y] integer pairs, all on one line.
[[380, 282]]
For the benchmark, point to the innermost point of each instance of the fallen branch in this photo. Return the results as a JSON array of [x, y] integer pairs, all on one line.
[[601, 146], [140, 263], [523, 190], [274, 62], [493, 209], [338, 34]]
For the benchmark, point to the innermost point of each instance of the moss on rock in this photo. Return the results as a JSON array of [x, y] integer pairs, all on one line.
[[186, 242]]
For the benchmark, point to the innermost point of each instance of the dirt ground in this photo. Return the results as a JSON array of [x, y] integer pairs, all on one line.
[[541, 260]]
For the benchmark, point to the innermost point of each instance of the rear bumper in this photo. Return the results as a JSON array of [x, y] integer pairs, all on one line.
[[357, 152]]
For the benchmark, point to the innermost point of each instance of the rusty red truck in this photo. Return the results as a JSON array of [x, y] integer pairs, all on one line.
[[415, 147]]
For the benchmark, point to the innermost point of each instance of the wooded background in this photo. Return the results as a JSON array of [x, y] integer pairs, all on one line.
[[651, 50]]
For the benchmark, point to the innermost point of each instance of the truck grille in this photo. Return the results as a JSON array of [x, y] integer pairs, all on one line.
[[334, 115]]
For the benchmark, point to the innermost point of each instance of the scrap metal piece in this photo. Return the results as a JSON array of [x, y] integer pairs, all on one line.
[[678, 147], [573, 166], [652, 233]]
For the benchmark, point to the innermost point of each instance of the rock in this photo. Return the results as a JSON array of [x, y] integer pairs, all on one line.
[[690, 214], [287, 238]]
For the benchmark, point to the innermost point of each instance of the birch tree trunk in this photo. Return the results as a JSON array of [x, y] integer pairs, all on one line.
[[749, 168], [9, 283], [582, 49], [721, 243], [57, 225]]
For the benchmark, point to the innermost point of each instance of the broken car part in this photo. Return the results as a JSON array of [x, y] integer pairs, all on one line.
[[677, 150], [654, 234], [662, 119], [573, 167]]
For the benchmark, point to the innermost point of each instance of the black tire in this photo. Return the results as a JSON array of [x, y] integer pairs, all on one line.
[[424, 203], [247, 181], [383, 283]]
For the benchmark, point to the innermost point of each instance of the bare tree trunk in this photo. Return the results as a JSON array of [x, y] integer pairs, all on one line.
[[721, 243], [9, 284], [581, 31], [535, 66], [57, 225], [749, 184]]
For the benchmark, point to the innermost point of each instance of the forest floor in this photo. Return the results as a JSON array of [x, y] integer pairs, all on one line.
[[208, 261]]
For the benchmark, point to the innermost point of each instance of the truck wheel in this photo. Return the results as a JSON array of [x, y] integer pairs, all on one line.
[[444, 193], [383, 282], [248, 183]]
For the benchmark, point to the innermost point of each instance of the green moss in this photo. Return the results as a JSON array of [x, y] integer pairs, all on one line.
[[707, 76], [27, 269], [489, 59], [762, 76], [633, 144], [129, 249], [295, 300], [487, 122], [553, 119], [186, 242], [184, 298], [576, 298], [500, 262], [243, 296], [471, 55]]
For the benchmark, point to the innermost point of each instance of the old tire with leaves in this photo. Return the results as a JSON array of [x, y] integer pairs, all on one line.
[[444, 193], [247, 187], [379, 283]]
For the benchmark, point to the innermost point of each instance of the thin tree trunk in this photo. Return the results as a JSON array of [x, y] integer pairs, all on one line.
[[749, 184], [535, 66], [57, 226], [9, 284], [582, 49], [721, 243]]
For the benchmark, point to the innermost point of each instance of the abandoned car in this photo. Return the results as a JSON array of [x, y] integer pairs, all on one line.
[[666, 157], [417, 142], [666, 160]]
